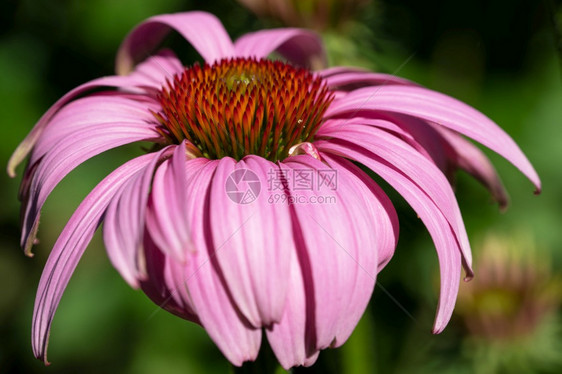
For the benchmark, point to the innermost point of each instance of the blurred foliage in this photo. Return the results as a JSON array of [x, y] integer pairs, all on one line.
[[503, 57]]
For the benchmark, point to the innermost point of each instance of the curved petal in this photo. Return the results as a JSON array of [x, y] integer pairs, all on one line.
[[255, 252], [448, 150], [202, 30], [385, 218], [447, 247], [68, 154], [300, 47], [200, 283], [69, 248], [471, 159], [167, 219], [383, 222], [123, 229], [27, 144], [91, 112], [288, 337], [336, 246], [418, 169], [440, 109]]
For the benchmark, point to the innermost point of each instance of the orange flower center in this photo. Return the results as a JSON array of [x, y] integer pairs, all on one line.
[[242, 106]]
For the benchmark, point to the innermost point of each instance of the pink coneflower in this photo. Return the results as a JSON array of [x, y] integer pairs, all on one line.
[[250, 213]]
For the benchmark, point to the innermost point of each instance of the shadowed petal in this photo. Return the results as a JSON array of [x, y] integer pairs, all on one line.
[[255, 252], [446, 244], [69, 248], [168, 222], [202, 30], [383, 222], [338, 257], [300, 47], [200, 283], [440, 109], [385, 219], [123, 228], [288, 338]]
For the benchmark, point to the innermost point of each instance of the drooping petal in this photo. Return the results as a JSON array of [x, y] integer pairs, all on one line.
[[447, 247], [383, 222], [300, 47], [289, 338], [202, 30], [69, 248], [449, 151], [168, 222], [471, 159], [90, 112], [201, 284], [27, 144], [67, 153], [123, 228], [440, 109], [417, 168], [385, 217], [255, 252], [337, 248]]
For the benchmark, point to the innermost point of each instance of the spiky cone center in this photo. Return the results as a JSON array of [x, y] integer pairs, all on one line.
[[242, 106]]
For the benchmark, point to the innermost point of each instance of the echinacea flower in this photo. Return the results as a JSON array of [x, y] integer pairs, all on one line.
[[191, 223]]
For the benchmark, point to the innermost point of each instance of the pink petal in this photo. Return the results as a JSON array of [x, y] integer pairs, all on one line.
[[417, 168], [440, 109], [202, 30], [446, 244], [383, 222], [471, 159], [90, 112], [65, 155], [27, 144], [386, 221], [255, 253], [337, 251], [289, 338], [161, 285], [123, 229], [446, 148], [154, 71], [300, 47], [391, 127], [69, 248], [200, 283], [167, 221]]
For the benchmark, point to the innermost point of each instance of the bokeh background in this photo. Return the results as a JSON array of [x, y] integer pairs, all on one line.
[[501, 56]]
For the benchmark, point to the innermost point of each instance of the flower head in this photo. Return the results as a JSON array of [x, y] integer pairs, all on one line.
[[250, 214]]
